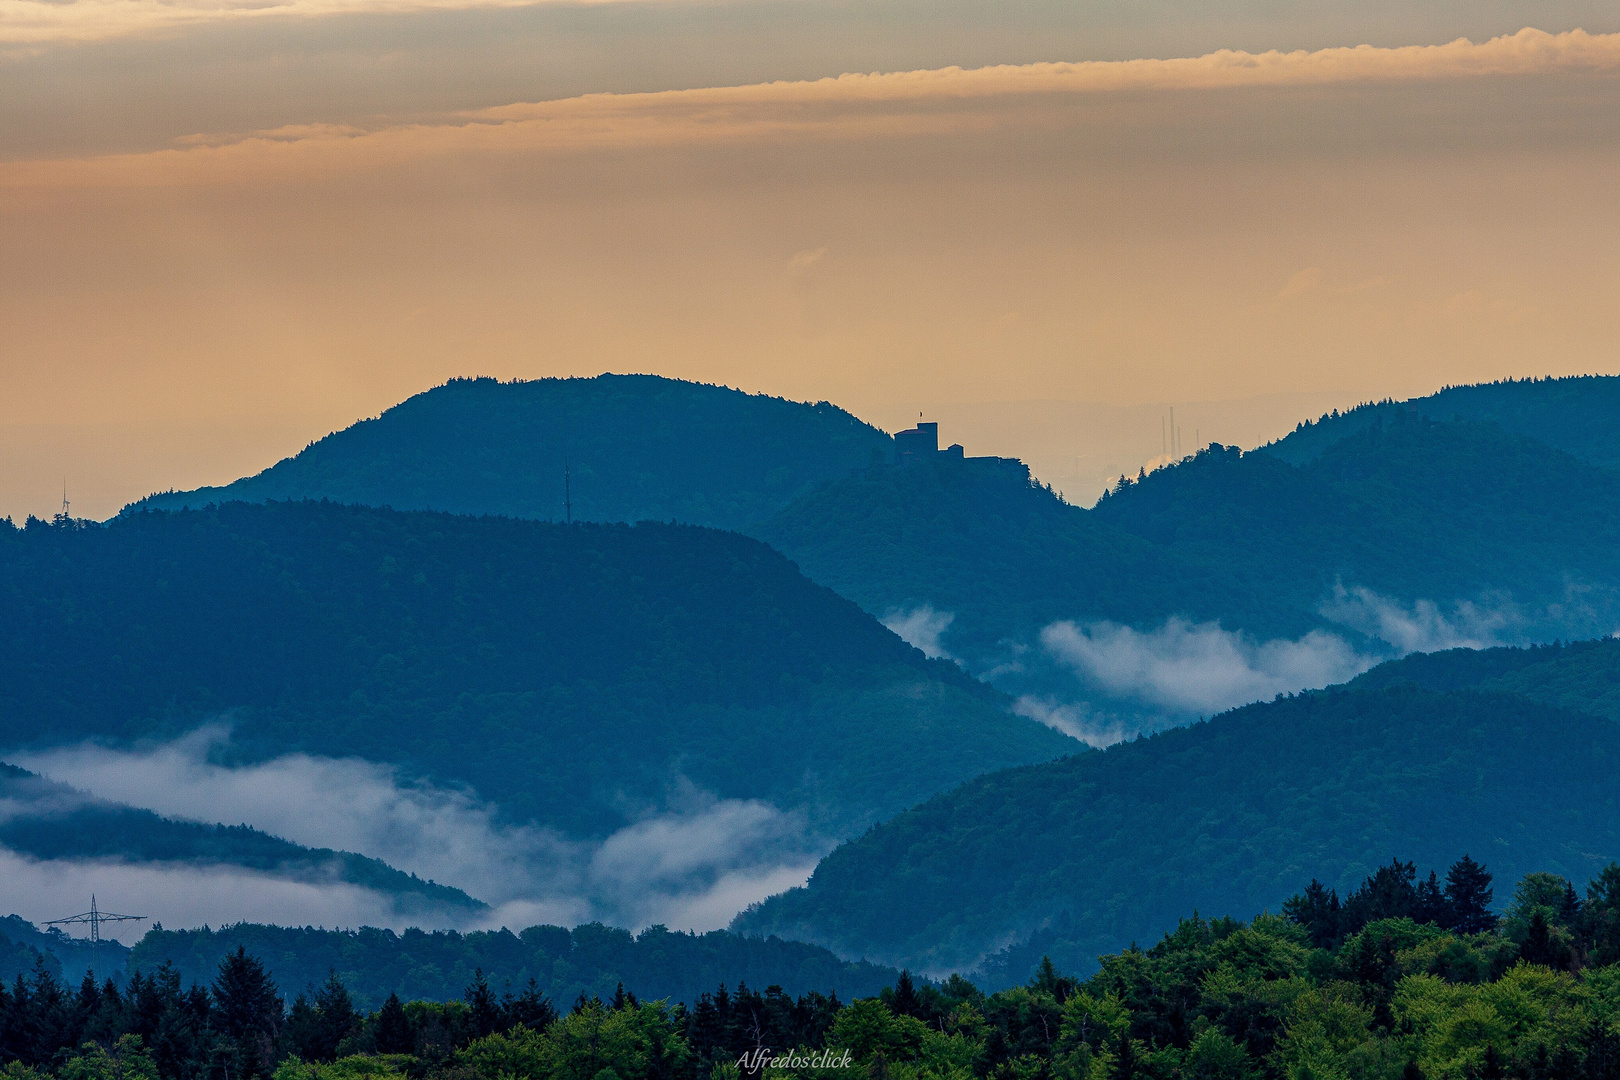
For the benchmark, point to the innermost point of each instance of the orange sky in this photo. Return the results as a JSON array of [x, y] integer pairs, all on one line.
[[1331, 225]]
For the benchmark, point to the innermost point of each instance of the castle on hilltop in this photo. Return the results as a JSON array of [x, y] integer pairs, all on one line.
[[921, 443]]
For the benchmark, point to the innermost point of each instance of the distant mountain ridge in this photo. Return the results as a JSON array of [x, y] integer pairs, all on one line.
[[635, 448], [1576, 414], [1521, 537], [47, 820]]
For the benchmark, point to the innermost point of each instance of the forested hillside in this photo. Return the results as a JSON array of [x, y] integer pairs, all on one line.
[[1224, 816], [1583, 675], [1575, 414], [46, 820], [1005, 555], [569, 673], [637, 447], [1412, 511], [1408, 976]]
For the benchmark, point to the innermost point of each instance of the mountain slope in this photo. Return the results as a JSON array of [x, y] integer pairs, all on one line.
[[1580, 675], [1227, 816], [638, 447], [572, 674], [1413, 509], [47, 820], [1576, 414]]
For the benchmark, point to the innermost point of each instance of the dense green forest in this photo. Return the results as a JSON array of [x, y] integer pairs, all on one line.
[[47, 820], [1101, 849], [435, 966], [637, 447], [568, 673], [1408, 977], [1574, 414]]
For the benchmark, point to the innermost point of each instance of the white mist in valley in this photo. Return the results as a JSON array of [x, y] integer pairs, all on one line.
[[1102, 682], [691, 863]]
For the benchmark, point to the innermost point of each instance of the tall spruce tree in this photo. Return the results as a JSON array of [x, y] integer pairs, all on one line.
[[248, 1013], [1469, 895], [391, 1030]]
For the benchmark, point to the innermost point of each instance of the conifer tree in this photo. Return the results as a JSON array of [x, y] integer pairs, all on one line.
[[391, 1030], [1469, 894]]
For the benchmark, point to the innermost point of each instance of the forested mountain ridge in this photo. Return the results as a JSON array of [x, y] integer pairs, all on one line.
[[637, 447], [1389, 517], [1414, 508], [1225, 815], [46, 820], [983, 541], [1575, 414], [490, 652], [1581, 675]]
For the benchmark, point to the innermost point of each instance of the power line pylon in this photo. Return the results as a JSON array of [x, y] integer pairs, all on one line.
[[94, 918]]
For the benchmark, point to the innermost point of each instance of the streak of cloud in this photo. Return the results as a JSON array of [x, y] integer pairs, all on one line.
[[922, 627], [1422, 626], [1199, 667], [1140, 224], [1078, 719], [691, 864], [180, 895], [852, 105]]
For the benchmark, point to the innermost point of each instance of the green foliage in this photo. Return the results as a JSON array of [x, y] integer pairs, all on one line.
[[638, 448], [128, 1060], [491, 652], [1105, 848], [354, 1067], [595, 1043]]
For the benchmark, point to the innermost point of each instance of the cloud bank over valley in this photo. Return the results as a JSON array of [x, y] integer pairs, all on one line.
[[691, 863]]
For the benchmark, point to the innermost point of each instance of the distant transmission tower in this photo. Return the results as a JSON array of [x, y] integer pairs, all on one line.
[[95, 918], [67, 506]]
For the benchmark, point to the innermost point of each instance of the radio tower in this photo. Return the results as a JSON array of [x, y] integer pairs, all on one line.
[[95, 917]]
